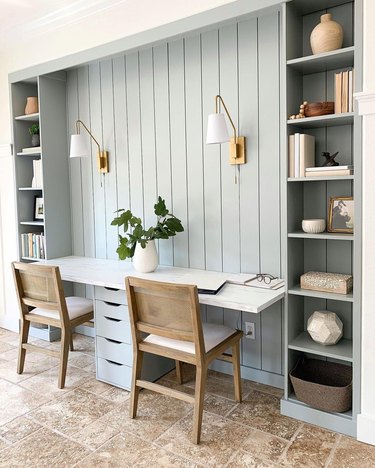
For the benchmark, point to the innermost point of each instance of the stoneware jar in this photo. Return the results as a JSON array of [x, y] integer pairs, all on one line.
[[326, 36], [31, 105], [145, 260]]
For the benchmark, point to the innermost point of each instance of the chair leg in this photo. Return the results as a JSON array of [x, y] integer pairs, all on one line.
[[71, 341], [236, 371], [136, 374], [65, 341], [179, 372], [200, 385], [24, 335]]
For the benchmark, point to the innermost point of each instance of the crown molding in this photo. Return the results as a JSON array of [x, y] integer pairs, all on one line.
[[366, 103]]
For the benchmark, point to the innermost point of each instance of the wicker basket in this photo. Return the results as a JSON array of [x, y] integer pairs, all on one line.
[[323, 385]]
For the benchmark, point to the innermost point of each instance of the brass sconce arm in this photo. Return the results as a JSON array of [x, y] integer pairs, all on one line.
[[217, 99]]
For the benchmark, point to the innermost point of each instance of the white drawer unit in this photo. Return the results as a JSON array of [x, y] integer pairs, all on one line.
[[114, 373], [116, 351], [112, 310], [117, 296], [114, 329]]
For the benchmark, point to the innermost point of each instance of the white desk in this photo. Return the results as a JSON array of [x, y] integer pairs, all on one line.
[[111, 274]]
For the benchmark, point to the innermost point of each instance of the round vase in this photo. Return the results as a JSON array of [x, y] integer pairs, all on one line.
[[35, 140], [326, 36], [145, 260], [31, 105]]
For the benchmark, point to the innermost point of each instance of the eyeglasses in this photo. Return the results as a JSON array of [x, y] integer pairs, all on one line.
[[265, 277]]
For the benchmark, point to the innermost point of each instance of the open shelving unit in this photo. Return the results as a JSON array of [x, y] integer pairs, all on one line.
[[311, 78]]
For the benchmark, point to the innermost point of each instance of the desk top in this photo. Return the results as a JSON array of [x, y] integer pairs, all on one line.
[[111, 274]]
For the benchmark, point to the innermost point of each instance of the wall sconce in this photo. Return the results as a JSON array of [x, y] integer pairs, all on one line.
[[217, 133], [80, 149]]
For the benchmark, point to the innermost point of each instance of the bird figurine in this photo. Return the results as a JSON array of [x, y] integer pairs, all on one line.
[[330, 159]]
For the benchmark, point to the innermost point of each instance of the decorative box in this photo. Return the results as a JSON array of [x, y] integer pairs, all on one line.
[[327, 282]]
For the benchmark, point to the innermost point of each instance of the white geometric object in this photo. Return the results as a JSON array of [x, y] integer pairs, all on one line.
[[325, 327]]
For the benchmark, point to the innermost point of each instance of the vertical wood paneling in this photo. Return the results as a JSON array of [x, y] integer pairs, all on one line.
[[146, 87], [134, 135], [106, 74], [98, 183], [121, 133], [178, 147], [248, 125], [229, 190], [211, 153], [194, 154], [150, 109]]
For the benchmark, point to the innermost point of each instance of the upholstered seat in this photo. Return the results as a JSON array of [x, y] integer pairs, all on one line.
[[41, 300], [170, 314]]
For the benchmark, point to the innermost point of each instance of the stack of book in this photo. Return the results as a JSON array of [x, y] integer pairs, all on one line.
[[32, 245], [301, 154], [329, 171], [31, 150], [37, 181], [344, 92]]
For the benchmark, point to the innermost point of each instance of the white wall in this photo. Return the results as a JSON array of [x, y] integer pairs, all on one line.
[[366, 420]]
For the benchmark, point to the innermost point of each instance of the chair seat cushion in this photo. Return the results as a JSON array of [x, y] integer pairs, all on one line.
[[76, 306], [213, 335]]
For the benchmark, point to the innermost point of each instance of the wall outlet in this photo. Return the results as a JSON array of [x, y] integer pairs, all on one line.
[[250, 330]]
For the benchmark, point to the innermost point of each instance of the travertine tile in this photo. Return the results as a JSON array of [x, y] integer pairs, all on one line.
[[127, 450], [261, 411], [95, 386], [156, 413], [310, 448], [116, 395], [72, 412], [220, 439], [18, 429], [352, 454], [3, 445], [265, 446], [218, 405], [15, 401], [8, 369], [245, 459], [4, 347], [48, 381], [82, 344], [95, 434], [43, 448], [81, 360]]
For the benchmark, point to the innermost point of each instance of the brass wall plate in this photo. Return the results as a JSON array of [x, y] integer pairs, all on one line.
[[103, 162], [241, 151]]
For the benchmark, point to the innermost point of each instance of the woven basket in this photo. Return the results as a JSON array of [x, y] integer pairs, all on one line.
[[323, 385]]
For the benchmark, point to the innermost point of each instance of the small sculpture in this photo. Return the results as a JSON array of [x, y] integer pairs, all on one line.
[[330, 159], [325, 327]]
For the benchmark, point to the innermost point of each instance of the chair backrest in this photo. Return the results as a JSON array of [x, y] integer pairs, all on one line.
[[169, 310], [40, 286]]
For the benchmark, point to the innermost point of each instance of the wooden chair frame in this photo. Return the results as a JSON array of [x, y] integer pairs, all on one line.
[[28, 300], [147, 322]]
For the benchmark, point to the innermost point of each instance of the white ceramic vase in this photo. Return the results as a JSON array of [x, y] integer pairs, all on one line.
[[145, 260], [326, 36]]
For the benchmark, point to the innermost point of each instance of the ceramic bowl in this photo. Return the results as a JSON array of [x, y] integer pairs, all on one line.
[[313, 226]]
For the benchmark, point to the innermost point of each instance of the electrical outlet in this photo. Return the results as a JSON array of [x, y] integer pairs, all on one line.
[[250, 330]]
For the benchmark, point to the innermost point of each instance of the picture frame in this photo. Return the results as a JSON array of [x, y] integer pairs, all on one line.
[[38, 208], [341, 215]]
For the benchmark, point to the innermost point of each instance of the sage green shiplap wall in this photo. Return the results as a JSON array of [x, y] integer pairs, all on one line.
[[149, 110]]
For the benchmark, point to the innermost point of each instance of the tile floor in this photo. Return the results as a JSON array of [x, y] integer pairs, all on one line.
[[87, 423]]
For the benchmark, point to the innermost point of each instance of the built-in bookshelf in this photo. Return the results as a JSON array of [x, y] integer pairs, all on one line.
[[312, 78]]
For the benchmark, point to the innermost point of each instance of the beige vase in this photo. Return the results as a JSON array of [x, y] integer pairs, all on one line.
[[326, 36], [32, 106]]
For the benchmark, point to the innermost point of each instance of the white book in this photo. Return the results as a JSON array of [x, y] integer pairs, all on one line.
[[307, 152], [296, 154], [33, 149], [328, 168]]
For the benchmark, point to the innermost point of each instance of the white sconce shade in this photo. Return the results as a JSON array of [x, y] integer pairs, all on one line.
[[217, 131], [78, 146]]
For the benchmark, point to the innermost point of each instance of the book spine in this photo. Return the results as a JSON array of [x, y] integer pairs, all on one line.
[[350, 91], [291, 155], [307, 153], [338, 87], [296, 154], [343, 172], [344, 92]]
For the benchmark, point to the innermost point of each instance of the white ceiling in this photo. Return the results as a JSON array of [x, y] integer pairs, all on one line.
[[21, 16]]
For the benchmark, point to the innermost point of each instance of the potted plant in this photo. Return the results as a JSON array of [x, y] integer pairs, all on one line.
[[34, 132], [140, 242]]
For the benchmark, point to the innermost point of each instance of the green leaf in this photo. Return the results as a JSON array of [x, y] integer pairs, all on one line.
[[159, 208]]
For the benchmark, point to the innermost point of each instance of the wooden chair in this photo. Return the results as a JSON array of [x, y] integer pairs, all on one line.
[[170, 313], [41, 299]]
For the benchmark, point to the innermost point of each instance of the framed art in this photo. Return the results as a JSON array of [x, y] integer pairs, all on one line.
[[38, 208], [341, 214]]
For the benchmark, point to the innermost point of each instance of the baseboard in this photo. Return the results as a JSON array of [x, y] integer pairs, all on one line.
[[366, 429], [84, 330]]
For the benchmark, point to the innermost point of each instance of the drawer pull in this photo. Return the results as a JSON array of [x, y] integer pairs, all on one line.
[[112, 319], [111, 289], [113, 362], [112, 304], [112, 341]]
